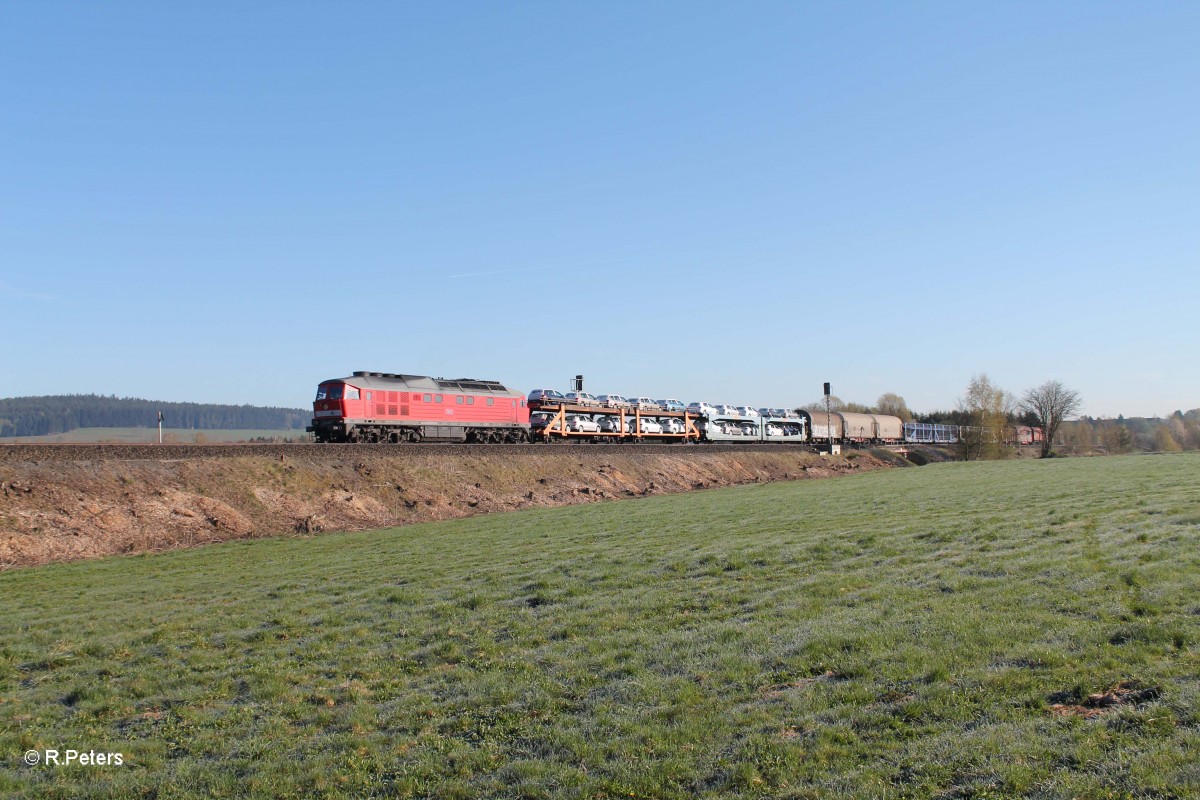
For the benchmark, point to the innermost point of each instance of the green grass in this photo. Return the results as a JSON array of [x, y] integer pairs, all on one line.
[[138, 435], [895, 634]]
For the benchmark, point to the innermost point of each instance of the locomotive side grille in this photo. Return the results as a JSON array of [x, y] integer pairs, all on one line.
[[392, 397], [380, 410], [403, 409], [392, 409]]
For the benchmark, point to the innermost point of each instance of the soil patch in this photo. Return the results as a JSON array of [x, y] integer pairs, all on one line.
[[1124, 695]]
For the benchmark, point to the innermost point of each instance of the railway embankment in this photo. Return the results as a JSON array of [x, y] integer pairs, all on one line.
[[66, 506]]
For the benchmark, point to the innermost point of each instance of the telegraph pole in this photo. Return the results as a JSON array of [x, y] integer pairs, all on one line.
[[828, 419], [160, 427]]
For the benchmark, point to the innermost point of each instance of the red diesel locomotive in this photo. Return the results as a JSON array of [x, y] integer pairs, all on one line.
[[384, 407]]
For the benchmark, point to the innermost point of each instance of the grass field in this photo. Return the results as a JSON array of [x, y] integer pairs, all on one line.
[[138, 435], [935, 632]]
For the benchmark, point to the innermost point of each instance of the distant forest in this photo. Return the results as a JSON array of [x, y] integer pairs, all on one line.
[[1180, 431], [42, 416]]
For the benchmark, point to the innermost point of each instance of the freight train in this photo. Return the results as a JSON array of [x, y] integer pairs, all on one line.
[[390, 407]]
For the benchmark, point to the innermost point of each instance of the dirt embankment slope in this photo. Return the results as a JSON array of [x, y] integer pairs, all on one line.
[[65, 510]]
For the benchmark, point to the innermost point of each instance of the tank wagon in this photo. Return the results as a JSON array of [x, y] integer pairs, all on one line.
[[389, 407]]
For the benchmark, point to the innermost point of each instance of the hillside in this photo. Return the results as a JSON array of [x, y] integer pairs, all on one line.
[[967, 630], [42, 416]]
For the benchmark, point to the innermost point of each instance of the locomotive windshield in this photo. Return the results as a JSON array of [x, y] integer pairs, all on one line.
[[337, 391], [331, 391]]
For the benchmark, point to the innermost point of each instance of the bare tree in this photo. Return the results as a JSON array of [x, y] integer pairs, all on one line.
[[1114, 437], [1051, 403], [1164, 442], [986, 407]]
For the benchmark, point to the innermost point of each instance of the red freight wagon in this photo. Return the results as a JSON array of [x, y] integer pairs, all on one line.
[[386, 407], [1026, 435]]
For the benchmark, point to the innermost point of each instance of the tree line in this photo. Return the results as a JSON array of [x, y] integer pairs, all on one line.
[[1179, 431], [985, 410], [42, 416]]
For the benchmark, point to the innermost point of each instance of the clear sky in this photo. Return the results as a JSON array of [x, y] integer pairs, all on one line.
[[730, 202]]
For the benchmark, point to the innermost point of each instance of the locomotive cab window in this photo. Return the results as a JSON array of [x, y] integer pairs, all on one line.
[[352, 393], [428, 398], [368, 397]]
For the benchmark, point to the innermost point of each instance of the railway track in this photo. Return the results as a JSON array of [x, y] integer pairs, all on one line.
[[181, 452]]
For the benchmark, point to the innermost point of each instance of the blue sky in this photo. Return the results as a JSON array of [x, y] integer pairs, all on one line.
[[229, 202]]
